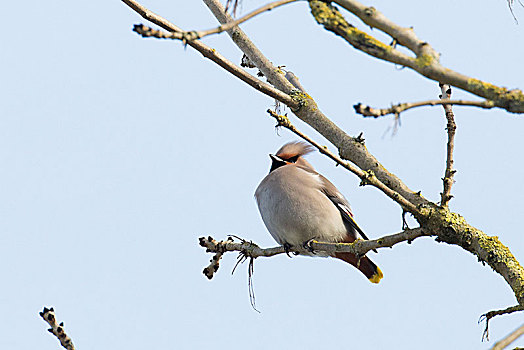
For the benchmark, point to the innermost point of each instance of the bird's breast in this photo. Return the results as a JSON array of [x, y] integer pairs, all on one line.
[[295, 210]]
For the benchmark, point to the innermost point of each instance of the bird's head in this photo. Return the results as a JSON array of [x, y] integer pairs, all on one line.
[[291, 153]]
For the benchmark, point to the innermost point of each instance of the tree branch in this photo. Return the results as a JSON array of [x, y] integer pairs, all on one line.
[[350, 148], [449, 227], [510, 338], [152, 17], [206, 51], [366, 177], [252, 250], [368, 111], [375, 19], [57, 329], [250, 15], [426, 61], [187, 36], [451, 127], [489, 315], [274, 75]]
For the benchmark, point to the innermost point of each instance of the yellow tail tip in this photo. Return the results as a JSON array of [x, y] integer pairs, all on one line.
[[377, 276]]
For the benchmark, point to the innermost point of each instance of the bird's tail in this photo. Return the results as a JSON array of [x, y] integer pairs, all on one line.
[[365, 265]]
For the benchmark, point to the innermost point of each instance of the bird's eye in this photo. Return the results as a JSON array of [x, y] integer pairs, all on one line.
[[292, 159]]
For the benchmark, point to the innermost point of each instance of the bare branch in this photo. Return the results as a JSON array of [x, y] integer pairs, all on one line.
[[151, 16], [229, 25], [214, 263], [252, 250], [510, 338], [274, 75], [366, 177], [187, 36], [451, 127], [489, 315], [375, 19], [368, 111], [57, 329], [426, 61], [207, 52]]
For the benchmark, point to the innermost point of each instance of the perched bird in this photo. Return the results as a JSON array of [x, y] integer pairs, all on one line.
[[298, 204]]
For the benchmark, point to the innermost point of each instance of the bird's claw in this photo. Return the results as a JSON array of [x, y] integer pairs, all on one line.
[[307, 246], [287, 248]]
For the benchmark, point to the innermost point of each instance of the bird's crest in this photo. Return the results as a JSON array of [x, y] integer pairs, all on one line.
[[294, 149]]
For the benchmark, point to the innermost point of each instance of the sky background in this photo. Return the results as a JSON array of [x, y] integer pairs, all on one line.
[[118, 152]]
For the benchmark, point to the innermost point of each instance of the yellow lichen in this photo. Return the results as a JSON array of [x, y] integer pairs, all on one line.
[[424, 60], [512, 100], [301, 98], [486, 88], [332, 20]]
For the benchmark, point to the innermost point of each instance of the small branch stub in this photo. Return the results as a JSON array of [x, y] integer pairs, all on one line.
[[57, 329]]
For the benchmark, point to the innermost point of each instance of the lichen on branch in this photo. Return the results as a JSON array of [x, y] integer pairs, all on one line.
[[426, 61]]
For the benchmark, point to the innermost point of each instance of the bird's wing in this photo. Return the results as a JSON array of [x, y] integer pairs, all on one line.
[[342, 205]]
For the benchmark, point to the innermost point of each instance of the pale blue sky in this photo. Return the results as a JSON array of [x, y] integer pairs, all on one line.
[[118, 152]]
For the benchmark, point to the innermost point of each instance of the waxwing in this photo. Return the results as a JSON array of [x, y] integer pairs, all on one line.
[[297, 204]]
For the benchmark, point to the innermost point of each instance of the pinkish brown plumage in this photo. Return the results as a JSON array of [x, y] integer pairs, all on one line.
[[297, 204]]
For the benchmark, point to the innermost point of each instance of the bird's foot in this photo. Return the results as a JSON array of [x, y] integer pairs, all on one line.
[[287, 248], [307, 246]]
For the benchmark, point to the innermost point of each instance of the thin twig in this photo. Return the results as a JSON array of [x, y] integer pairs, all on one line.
[[368, 111], [359, 247], [187, 36], [229, 25], [366, 177], [451, 127], [489, 315], [235, 5], [510, 338], [211, 54], [57, 329]]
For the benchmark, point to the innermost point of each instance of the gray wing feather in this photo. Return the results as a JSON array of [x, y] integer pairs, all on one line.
[[342, 205]]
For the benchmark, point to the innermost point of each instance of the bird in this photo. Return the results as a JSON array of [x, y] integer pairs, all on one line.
[[297, 205]]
